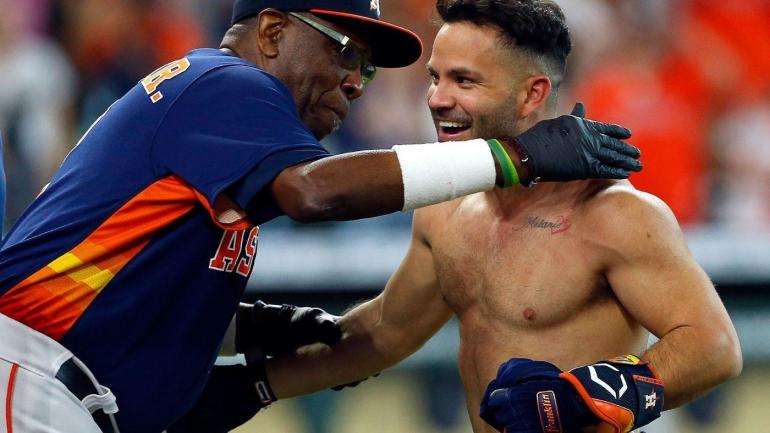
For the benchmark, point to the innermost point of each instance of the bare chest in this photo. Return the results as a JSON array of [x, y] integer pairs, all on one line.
[[533, 269]]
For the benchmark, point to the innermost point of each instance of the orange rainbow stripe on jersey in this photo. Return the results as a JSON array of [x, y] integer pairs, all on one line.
[[52, 299]]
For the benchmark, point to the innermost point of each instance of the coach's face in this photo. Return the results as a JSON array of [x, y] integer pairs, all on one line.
[[475, 83], [323, 89]]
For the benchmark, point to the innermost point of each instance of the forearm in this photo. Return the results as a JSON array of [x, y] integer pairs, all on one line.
[[341, 187], [692, 360], [364, 350], [350, 178], [366, 184], [371, 183]]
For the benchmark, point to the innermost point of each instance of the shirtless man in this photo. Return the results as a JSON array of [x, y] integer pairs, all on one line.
[[568, 273]]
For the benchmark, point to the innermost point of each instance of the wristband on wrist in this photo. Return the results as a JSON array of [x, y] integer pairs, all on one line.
[[436, 172], [524, 158], [264, 391], [510, 175]]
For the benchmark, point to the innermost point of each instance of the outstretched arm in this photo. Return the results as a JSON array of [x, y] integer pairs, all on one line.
[[366, 184], [376, 334]]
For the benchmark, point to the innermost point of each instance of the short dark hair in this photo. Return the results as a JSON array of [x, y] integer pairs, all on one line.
[[537, 27]]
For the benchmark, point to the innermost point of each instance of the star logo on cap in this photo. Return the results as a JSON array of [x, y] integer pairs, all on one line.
[[374, 5]]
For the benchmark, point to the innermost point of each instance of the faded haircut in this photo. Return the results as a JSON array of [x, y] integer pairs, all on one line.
[[535, 28]]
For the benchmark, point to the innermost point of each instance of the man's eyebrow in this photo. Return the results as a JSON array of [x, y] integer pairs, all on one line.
[[454, 72], [461, 71]]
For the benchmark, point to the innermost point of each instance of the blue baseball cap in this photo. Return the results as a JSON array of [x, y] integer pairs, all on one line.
[[392, 46]]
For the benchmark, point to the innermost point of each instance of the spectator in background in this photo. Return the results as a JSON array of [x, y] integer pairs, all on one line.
[[641, 81], [382, 117], [115, 42], [736, 37], [666, 80], [742, 174], [737, 34], [35, 103]]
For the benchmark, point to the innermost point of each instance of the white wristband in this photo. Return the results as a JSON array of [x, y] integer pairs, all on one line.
[[437, 172]]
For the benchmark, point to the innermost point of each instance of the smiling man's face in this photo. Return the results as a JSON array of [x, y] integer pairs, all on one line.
[[474, 83]]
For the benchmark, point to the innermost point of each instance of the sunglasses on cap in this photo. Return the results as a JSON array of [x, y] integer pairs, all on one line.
[[351, 56]]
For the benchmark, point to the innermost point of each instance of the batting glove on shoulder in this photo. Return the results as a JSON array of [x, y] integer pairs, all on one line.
[[571, 147]]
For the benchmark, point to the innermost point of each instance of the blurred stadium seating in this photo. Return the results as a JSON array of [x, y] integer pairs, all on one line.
[[691, 78]]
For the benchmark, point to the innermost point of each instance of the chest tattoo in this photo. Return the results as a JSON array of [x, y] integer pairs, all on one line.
[[555, 225]]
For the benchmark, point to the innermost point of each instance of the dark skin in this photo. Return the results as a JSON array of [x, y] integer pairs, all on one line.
[[338, 187]]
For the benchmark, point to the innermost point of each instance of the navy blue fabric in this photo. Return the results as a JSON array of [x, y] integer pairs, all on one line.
[[643, 395], [153, 333], [2, 189], [510, 401], [246, 8]]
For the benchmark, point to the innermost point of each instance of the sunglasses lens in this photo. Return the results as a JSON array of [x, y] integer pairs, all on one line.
[[368, 71], [352, 59]]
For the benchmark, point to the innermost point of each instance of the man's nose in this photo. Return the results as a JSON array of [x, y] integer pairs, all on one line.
[[353, 85], [439, 97]]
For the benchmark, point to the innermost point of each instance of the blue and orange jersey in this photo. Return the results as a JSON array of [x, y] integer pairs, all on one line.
[[2, 188], [136, 254]]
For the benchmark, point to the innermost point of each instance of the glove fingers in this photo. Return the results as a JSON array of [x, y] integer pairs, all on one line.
[[497, 409], [515, 409], [608, 172], [616, 159], [317, 326], [579, 110], [611, 129], [515, 370], [621, 147], [330, 333]]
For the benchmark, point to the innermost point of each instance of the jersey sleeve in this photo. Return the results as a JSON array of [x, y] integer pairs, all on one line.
[[233, 129]]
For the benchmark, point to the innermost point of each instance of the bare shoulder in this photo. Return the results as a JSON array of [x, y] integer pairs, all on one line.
[[429, 219], [622, 199], [622, 216]]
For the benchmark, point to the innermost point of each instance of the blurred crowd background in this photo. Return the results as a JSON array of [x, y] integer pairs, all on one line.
[[691, 78]]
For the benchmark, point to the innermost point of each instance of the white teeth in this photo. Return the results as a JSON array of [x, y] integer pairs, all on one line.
[[445, 124]]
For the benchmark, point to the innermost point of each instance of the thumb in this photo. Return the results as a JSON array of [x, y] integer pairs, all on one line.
[[330, 334], [579, 110]]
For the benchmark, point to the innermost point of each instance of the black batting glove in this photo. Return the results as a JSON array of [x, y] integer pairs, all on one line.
[[572, 148], [232, 396], [274, 330]]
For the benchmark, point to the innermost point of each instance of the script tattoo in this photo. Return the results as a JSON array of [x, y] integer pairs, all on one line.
[[558, 225]]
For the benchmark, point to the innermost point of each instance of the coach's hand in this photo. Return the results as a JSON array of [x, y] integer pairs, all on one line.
[[529, 396], [571, 147], [279, 329]]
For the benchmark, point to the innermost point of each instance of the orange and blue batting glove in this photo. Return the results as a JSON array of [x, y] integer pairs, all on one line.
[[536, 397]]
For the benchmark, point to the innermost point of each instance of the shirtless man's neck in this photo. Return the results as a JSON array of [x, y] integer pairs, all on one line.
[[510, 202]]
